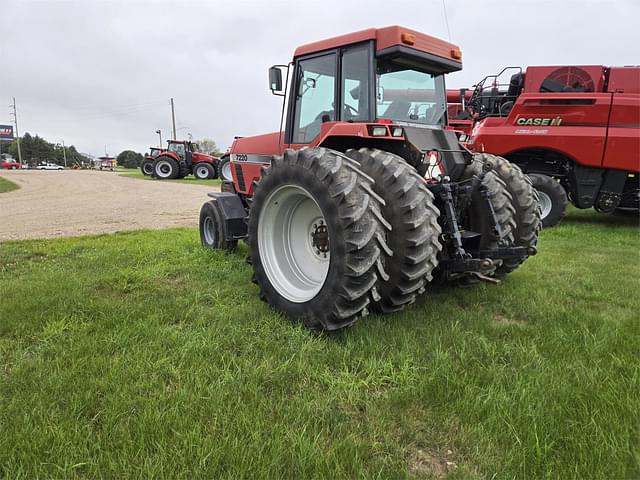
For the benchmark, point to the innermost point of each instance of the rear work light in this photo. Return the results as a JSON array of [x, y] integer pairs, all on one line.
[[396, 132], [377, 131]]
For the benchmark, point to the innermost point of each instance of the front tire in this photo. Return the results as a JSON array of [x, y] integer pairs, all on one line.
[[315, 235], [204, 171], [212, 228], [413, 239], [553, 199]]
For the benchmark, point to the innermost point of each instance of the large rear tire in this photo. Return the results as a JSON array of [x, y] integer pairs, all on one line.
[[224, 169], [414, 234], [147, 167], [553, 199], [525, 202], [476, 217], [315, 235], [165, 168]]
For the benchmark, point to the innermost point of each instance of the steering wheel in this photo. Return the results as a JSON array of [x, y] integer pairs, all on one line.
[[350, 111]]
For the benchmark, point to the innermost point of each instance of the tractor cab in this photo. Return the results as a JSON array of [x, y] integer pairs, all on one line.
[[381, 76]]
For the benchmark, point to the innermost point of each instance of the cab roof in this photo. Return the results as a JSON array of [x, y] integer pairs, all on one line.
[[391, 39]]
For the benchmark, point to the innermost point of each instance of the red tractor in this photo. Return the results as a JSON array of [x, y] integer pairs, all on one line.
[[575, 130], [364, 197], [182, 158], [146, 167]]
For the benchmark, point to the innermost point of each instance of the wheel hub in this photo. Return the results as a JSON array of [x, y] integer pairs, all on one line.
[[320, 238]]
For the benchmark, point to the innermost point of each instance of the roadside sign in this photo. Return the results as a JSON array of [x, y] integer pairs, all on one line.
[[6, 132]]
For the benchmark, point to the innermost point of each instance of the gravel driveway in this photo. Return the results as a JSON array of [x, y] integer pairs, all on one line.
[[70, 203]]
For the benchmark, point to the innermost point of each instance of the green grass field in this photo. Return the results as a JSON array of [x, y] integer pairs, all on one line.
[[7, 186], [142, 355], [136, 173]]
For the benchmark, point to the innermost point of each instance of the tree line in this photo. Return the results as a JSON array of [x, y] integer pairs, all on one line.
[[37, 150]]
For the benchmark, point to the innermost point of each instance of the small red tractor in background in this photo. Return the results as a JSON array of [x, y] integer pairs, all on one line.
[[575, 130], [180, 159], [146, 167], [364, 197]]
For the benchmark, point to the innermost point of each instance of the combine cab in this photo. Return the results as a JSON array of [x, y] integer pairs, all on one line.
[[575, 130], [364, 197], [182, 158]]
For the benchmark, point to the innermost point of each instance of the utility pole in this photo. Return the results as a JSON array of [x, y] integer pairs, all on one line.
[[173, 119], [15, 119], [64, 154]]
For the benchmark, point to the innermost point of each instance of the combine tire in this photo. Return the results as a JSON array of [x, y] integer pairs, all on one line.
[[553, 199], [165, 168], [147, 168], [525, 202], [224, 169], [315, 236], [204, 171], [414, 234], [212, 229]]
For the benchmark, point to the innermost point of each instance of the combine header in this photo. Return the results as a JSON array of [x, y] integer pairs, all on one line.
[[364, 197]]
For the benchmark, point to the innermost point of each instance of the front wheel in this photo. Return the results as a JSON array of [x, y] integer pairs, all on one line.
[[212, 228], [204, 171], [553, 199], [315, 234]]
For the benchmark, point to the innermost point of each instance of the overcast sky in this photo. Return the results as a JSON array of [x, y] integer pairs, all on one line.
[[99, 74]]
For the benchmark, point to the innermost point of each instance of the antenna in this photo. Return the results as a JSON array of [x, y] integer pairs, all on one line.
[[446, 19]]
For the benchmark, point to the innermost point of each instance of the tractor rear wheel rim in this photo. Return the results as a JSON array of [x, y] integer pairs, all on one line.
[[163, 170], [294, 243], [148, 168], [209, 230], [226, 171], [545, 204]]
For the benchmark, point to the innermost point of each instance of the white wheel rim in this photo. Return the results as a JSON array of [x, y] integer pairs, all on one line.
[[148, 168], [209, 231], [226, 171], [163, 169], [292, 243], [545, 203], [202, 172]]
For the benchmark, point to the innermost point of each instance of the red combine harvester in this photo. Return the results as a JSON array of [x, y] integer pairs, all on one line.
[[574, 129], [364, 197], [182, 158]]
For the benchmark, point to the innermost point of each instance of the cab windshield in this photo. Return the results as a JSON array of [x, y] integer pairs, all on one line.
[[409, 95], [178, 148]]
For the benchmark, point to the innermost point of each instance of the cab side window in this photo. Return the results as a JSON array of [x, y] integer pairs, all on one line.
[[315, 97]]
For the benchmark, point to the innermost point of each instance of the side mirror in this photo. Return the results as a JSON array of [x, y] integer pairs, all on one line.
[[275, 80]]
